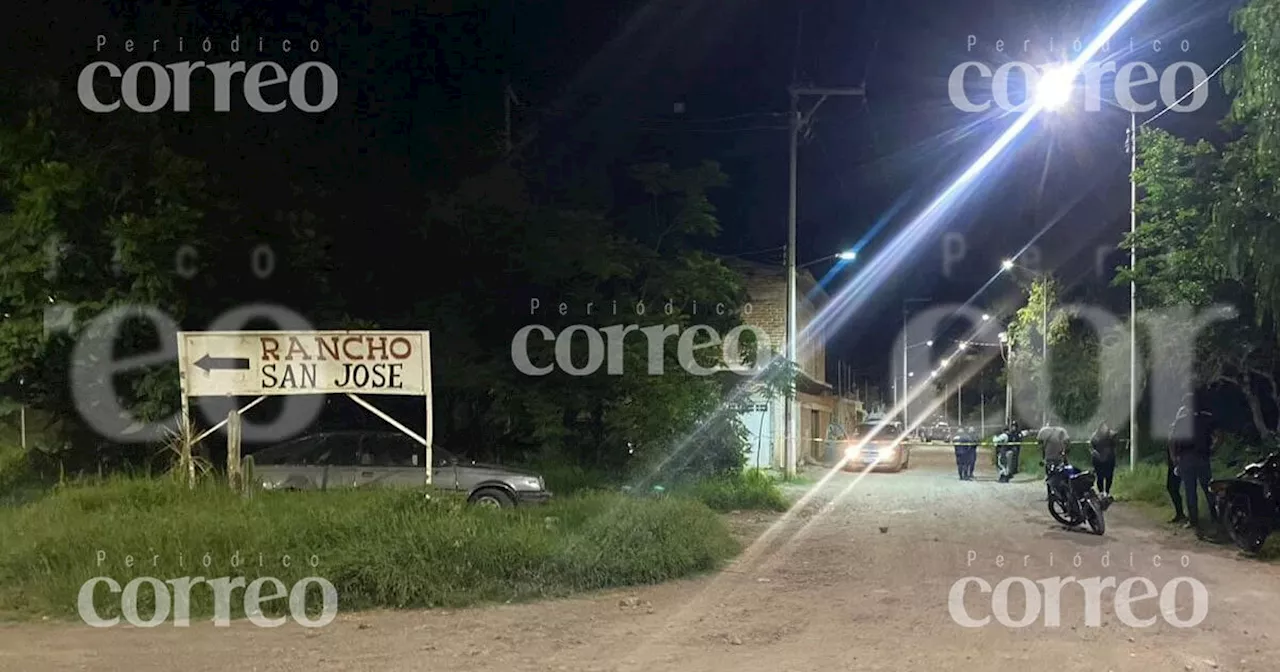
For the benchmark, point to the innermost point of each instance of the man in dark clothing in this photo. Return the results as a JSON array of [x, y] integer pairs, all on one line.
[[1192, 447], [1173, 485], [1103, 448], [961, 444], [1054, 446], [970, 453]]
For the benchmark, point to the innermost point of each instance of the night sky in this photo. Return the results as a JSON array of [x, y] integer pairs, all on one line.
[[598, 84]]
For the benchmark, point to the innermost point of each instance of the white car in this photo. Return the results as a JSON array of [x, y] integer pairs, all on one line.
[[882, 450]]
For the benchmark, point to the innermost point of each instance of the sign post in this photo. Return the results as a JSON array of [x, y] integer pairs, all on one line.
[[276, 363]]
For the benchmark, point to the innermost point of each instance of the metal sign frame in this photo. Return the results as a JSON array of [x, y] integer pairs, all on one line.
[[425, 439]]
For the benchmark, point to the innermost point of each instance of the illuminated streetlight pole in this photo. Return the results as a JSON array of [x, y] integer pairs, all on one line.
[[1053, 91], [1133, 290], [796, 123]]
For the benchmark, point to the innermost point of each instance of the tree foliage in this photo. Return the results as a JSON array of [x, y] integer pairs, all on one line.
[[1208, 227], [91, 216]]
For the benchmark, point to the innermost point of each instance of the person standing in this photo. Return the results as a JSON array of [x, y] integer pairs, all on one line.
[[1002, 456], [1054, 444], [1015, 451], [1192, 444], [961, 442], [1103, 449], [971, 452], [1173, 484]]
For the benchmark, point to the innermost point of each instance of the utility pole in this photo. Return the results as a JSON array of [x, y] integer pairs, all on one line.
[[1133, 291], [797, 123], [906, 386], [1044, 346]]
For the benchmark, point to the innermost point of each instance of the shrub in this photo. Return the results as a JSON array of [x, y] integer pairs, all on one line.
[[753, 489]]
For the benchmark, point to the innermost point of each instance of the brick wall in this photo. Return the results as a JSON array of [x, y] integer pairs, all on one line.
[[768, 296]]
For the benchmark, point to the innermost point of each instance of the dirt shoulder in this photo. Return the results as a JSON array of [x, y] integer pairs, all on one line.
[[856, 576]]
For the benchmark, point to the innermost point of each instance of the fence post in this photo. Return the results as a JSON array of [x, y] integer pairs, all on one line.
[[185, 460], [234, 475]]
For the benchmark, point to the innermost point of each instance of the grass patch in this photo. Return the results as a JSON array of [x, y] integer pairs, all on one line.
[[1145, 484], [569, 479], [1144, 487], [749, 490], [379, 548]]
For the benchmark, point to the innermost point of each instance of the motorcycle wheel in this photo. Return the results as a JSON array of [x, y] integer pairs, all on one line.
[[1248, 537], [1093, 514], [1064, 516]]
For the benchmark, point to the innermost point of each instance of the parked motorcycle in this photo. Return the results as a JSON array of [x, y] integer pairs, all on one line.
[[1072, 499], [1249, 504]]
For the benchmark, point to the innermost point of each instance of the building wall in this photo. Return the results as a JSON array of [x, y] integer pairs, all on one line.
[[768, 297], [767, 291]]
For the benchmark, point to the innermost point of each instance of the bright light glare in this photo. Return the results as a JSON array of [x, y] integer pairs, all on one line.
[[985, 317], [1007, 264], [1053, 91], [847, 256], [928, 344], [964, 346]]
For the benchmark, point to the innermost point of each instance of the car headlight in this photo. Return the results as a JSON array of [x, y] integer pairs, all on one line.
[[852, 451], [529, 483]]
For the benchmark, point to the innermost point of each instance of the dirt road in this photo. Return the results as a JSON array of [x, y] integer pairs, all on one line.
[[856, 577]]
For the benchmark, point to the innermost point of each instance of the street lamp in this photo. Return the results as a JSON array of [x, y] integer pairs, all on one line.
[[905, 399], [1008, 381], [1052, 92], [1054, 89], [1132, 147], [797, 121], [847, 255], [906, 389]]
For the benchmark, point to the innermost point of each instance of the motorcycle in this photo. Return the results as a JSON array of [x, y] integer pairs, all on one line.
[[1249, 504], [1072, 499]]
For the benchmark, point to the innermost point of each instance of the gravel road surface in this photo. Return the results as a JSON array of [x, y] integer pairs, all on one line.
[[857, 576]]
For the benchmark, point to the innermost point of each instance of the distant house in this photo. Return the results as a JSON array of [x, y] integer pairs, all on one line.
[[816, 403]]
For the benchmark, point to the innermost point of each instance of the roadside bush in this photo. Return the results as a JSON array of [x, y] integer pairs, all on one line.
[[752, 489], [568, 479], [379, 548], [1145, 484]]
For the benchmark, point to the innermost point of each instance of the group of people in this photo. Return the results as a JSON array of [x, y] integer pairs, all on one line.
[[966, 443], [1008, 449], [1055, 444], [1188, 457]]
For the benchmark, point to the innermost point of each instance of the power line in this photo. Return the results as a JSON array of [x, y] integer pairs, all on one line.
[[710, 120], [713, 130], [756, 252], [1197, 86]]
